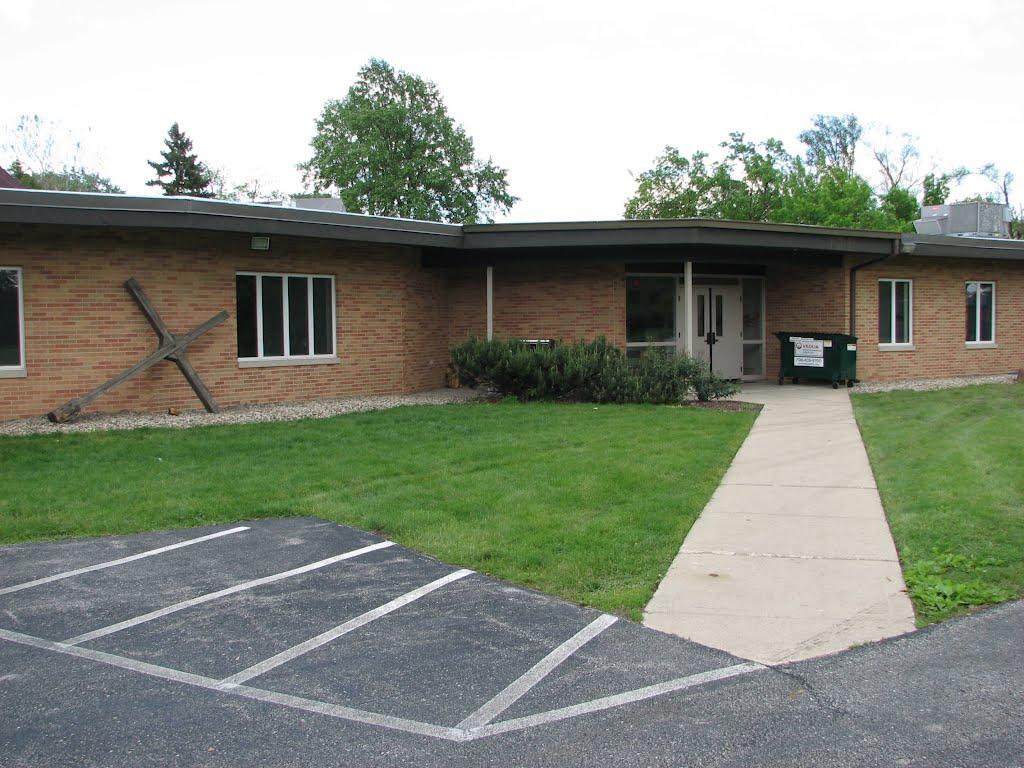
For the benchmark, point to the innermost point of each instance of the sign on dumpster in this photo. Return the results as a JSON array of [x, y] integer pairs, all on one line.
[[809, 353]]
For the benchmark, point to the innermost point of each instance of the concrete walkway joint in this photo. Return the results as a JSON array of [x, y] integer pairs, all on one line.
[[792, 557]]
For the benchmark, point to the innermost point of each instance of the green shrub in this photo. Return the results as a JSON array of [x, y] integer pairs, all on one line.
[[593, 371]]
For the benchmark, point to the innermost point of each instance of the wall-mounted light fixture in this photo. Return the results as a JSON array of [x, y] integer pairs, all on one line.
[[260, 243]]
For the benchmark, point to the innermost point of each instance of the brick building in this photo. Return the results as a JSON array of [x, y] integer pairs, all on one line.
[[324, 304]]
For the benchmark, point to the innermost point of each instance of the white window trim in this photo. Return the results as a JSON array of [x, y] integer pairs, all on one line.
[[899, 346], [263, 361], [19, 371], [989, 343]]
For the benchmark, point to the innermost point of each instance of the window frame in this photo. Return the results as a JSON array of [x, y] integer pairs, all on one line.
[[262, 360], [21, 369], [896, 346], [979, 343]]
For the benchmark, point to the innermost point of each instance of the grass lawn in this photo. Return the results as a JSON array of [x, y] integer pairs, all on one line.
[[950, 468], [589, 503]]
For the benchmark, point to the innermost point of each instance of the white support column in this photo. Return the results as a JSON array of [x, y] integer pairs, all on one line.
[[490, 303], [688, 308]]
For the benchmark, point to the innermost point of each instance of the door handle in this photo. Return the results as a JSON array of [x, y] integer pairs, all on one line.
[[711, 338]]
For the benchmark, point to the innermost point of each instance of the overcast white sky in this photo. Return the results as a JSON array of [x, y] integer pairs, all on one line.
[[570, 96]]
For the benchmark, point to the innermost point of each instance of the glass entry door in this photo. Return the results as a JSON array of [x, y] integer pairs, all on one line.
[[718, 328]]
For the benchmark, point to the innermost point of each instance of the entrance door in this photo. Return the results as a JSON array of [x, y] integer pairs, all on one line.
[[718, 328]]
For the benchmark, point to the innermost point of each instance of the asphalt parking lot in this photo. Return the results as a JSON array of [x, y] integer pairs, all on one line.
[[302, 642]]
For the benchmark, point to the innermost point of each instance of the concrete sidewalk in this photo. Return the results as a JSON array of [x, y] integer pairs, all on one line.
[[792, 557]]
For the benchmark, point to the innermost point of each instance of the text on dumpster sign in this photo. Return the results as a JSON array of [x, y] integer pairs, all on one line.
[[809, 353]]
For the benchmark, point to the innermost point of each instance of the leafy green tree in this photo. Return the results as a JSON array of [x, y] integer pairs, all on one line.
[[183, 172], [747, 185], [833, 141], [763, 182], [390, 148]]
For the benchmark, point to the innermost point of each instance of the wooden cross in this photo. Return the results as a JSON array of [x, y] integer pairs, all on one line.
[[171, 348]]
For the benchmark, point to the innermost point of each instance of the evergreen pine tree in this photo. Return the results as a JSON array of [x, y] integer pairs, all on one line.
[[187, 175]]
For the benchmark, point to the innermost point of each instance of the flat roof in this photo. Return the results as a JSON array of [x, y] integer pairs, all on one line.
[[29, 206]]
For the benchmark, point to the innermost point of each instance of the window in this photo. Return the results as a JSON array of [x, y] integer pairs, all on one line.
[[981, 312], [895, 312], [12, 325], [285, 317]]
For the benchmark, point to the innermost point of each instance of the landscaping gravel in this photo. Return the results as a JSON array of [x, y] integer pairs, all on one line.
[[321, 409], [239, 414], [920, 385]]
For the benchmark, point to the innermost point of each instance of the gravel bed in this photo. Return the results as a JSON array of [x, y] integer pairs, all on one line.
[[239, 414], [920, 385]]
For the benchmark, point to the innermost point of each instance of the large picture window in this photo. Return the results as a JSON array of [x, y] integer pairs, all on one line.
[[981, 312], [895, 312], [12, 324], [285, 317]]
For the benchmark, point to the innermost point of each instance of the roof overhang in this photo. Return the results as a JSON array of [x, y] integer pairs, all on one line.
[[951, 247], [455, 244], [104, 210]]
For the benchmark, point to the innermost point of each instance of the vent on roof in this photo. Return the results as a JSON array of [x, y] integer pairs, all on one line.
[[332, 204], [965, 220]]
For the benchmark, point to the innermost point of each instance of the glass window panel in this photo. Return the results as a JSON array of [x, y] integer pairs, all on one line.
[[972, 312], [902, 324], [752, 360], [701, 313], [10, 319], [650, 309], [986, 308], [323, 316], [298, 315], [719, 314], [753, 323], [885, 312], [245, 315], [273, 316]]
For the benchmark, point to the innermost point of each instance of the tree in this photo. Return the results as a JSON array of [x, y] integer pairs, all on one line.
[[747, 185], [763, 182], [833, 141], [187, 176], [46, 158], [390, 148]]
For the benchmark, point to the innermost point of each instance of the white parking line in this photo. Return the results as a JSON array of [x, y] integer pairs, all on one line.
[[457, 734], [121, 561], [608, 702], [112, 628], [342, 629], [258, 694], [536, 673]]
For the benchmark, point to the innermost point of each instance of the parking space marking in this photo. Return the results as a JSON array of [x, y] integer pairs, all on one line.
[[618, 700], [112, 628], [458, 733], [536, 673], [258, 694], [342, 629], [120, 561]]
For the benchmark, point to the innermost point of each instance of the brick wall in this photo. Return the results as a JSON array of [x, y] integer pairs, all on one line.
[[82, 327], [803, 298], [568, 301], [939, 319]]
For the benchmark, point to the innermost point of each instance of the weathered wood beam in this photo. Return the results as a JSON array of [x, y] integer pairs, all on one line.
[[166, 351]]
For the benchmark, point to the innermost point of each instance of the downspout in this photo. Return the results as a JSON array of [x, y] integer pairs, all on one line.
[[490, 303], [895, 251]]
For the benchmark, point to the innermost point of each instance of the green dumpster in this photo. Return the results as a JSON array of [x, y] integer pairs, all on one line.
[[829, 356]]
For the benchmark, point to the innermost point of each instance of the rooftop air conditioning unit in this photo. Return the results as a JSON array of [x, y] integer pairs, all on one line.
[[965, 220]]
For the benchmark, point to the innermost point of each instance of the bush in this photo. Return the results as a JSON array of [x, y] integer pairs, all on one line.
[[593, 371]]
